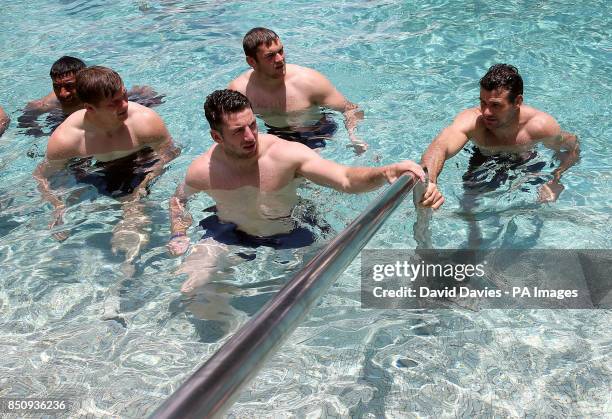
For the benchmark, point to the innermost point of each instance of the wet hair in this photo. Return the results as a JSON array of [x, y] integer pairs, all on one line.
[[66, 65], [256, 37], [94, 84], [222, 102], [503, 76]]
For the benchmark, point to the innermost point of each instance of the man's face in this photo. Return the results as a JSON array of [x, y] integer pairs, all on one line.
[[270, 60], [64, 88], [497, 110], [115, 107], [238, 135]]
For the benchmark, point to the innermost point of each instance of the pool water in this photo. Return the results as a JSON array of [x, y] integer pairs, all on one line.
[[411, 66]]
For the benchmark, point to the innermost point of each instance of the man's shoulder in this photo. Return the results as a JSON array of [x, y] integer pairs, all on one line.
[[139, 111], [72, 125], [467, 120], [67, 138], [302, 75], [145, 121], [536, 116], [239, 83], [469, 113], [309, 81], [272, 144], [198, 172], [284, 151], [540, 124]]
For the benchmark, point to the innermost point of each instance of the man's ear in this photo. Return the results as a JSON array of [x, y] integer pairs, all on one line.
[[518, 101], [89, 107], [251, 61], [216, 136]]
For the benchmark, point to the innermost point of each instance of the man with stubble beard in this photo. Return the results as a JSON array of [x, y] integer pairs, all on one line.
[[253, 180], [289, 97]]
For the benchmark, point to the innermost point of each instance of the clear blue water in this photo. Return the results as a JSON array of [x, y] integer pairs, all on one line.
[[412, 67]]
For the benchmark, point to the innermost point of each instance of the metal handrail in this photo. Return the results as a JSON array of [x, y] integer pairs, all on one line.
[[210, 390]]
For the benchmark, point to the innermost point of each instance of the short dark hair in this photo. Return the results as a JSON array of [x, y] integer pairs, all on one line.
[[504, 76], [66, 65], [222, 102], [256, 37], [96, 83]]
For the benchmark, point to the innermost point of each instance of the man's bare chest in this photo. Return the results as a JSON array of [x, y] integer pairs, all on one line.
[[262, 177], [109, 147], [488, 141], [279, 101]]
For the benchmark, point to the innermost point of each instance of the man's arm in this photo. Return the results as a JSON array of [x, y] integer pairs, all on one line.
[[448, 143], [325, 94], [41, 174], [567, 150], [32, 111], [349, 179], [155, 135], [180, 219], [62, 146]]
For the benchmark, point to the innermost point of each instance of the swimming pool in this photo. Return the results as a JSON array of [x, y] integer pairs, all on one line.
[[412, 67]]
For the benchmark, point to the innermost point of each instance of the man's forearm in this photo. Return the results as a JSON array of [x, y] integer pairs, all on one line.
[[567, 157], [166, 154], [45, 190], [433, 159], [351, 118], [180, 218], [364, 179]]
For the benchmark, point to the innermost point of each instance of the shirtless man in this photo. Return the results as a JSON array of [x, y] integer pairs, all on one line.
[[4, 121], [129, 142], [253, 177], [501, 125], [64, 96], [64, 100], [288, 97]]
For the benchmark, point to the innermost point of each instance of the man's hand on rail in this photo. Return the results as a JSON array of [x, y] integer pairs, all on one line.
[[393, 171], [432, 198]]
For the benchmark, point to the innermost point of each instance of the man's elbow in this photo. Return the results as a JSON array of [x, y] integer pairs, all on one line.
[[570, 143], [354, 112], [574, 142]]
